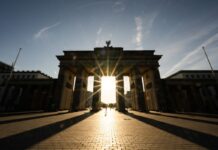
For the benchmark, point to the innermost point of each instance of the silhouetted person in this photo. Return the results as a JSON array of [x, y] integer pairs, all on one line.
[[106, 110]]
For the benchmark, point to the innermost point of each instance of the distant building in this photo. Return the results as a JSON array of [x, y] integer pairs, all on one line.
[[28, 94], [5, 67], [193, 74], [26, 90], [191, 91], [23, 75]]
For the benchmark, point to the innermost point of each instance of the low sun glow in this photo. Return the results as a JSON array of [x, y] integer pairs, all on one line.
[[108, 89]]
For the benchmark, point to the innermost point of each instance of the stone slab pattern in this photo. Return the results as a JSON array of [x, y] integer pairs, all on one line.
[[113, 130]]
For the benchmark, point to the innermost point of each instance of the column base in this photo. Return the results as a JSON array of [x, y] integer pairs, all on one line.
[[95, 110], [123, 110]]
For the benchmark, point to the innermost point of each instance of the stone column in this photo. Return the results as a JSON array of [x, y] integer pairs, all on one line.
[[83, 98], [133, 93], [64, 89], [148, 91], [120, 94], [153, 89], [26, 103], [59, 89], [49, 101], [169, 96], [145, 94], [196, 99], [78, 90], [96, 94], [158, 91], [139, 90]]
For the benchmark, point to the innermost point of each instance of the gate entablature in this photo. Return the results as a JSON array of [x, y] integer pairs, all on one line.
[[110, 56]]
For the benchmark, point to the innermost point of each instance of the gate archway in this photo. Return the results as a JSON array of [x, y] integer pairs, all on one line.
[[109, 61]]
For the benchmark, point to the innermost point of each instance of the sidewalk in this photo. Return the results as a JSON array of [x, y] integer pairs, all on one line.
[[114, 130], [27, 116]]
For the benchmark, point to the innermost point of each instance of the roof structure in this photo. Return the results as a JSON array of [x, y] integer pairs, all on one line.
[[191, 71]]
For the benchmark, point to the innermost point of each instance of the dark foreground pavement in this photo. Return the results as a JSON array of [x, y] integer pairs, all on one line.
[[114, 130]]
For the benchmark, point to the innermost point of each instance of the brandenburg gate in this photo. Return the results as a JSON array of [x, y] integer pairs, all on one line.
[[141, 67]]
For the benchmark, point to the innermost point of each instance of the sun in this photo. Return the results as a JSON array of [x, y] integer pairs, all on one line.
[[108, 89]]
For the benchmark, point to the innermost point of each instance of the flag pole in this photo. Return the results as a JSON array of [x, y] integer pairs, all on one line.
[[13, 64], [2, 98], [209, 62]]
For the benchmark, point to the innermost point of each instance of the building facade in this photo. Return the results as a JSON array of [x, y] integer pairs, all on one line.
[[194, 74], [25, 90], [28, 94], [5, 67], [192, 91]]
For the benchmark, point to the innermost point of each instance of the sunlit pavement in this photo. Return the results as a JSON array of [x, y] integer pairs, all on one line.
[[109, 130]]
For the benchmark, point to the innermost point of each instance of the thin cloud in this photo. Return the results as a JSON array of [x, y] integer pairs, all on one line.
[[212, 54], [148, 23], [40, 33], [179, 44], [138, 38], [192, 57], [143, 28], [98, 40], [119, 6], [99, 31], [93, 4]]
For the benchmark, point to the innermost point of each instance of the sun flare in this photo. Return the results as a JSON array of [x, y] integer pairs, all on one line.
[[108, 89]]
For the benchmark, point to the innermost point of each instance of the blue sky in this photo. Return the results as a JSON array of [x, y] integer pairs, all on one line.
[[176, 29]]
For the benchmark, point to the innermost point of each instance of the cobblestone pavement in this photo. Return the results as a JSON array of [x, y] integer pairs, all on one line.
[[114, 130]]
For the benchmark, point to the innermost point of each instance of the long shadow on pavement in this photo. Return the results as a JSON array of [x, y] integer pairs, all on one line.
[[27, 139], [203, 139], [185, 118], [31, 117]]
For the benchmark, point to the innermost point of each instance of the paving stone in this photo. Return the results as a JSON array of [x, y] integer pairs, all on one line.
[[115, 131]]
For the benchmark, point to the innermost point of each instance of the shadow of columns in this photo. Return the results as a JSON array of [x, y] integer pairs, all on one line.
[[26, 139], [206, 140]]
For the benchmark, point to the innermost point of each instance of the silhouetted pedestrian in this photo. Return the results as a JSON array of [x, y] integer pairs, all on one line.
[[106, 110]]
